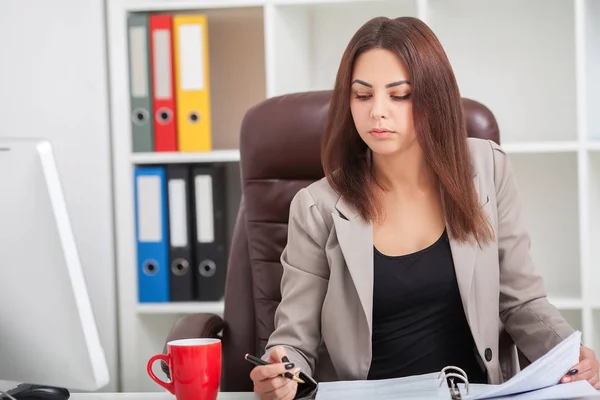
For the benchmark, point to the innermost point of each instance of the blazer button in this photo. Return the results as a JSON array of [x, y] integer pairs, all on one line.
[[488, 354]]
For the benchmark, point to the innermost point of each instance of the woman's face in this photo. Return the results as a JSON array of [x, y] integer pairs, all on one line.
[[380, 102]]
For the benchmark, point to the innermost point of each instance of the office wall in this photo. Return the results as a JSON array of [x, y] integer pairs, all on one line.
[[53, 84]]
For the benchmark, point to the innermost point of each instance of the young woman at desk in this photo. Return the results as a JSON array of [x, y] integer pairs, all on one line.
[[412, 251]]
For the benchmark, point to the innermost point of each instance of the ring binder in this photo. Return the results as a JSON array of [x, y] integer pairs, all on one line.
[[538, 381], [455, 393], [462, 372]]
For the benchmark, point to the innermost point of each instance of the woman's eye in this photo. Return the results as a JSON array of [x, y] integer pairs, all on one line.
[[405, 97], [360, 96]]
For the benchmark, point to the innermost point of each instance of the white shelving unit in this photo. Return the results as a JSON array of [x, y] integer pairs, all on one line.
[[213, 307], [534, 63], [231, 155]]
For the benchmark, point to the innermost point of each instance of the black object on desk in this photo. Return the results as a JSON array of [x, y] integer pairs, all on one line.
[[26, 391]]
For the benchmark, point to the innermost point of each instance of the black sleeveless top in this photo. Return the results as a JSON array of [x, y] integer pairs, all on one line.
[[419, 324]]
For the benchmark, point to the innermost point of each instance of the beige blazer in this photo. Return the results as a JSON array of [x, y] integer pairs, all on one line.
[[325, 316]]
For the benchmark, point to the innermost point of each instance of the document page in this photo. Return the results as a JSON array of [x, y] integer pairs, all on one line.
[[572, 390], [544, 372]]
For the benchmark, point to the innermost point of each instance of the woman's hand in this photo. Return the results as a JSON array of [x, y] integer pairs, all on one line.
[[587, 369], [269, 384]]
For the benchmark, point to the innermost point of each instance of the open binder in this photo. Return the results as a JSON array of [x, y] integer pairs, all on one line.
[[539, 381]]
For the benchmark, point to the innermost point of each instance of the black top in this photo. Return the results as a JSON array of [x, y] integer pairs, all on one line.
[[419, 324]]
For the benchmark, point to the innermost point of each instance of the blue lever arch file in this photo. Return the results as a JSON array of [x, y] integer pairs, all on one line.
[[151, 229]]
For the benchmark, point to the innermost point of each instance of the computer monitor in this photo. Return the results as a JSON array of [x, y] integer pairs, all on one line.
[[48, 334]]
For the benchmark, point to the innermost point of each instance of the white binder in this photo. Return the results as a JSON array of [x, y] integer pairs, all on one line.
[[539, 381]]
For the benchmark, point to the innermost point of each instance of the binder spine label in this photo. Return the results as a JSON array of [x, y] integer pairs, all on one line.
[[162, 64], [192, 64], [150, 226], [139, 81], [204, 209], [178, 213]]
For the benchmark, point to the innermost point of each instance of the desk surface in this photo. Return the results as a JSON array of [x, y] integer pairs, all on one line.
[[155, 396]]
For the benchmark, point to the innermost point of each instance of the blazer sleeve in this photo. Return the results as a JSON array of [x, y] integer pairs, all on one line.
[[534, 324], [303, 284]]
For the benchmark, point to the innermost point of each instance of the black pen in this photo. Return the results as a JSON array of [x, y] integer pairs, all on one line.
[[257, 361]]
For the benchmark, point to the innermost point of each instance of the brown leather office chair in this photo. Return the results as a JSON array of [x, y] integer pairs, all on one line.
[[280, 153]]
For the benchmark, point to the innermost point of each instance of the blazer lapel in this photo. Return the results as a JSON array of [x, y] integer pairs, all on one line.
[[355, 237], [463, 255]]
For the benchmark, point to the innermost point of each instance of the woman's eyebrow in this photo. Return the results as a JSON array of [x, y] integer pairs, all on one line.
[[389, 85]]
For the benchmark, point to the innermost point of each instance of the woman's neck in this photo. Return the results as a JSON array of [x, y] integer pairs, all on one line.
[[405, 173]]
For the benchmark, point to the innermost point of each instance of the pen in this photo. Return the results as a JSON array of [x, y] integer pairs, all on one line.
[[257, 361]]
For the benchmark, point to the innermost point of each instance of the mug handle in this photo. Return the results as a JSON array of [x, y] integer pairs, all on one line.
[[165, 358]]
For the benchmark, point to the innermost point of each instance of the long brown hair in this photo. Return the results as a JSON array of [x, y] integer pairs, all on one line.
[[438, 122]]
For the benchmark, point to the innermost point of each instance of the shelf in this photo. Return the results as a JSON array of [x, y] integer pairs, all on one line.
[[317, 2], [235, 42], [566, 303], [548, 187], [574, 318], [181, 308], [594, 342], [299, 58], [184, 5], [593, 226], [180, 157], [594, 145], [591, 64], [541, 147], [173, 5], [516, 72]]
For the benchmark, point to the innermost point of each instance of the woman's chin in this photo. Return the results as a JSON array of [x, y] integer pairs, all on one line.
[[384, 149]]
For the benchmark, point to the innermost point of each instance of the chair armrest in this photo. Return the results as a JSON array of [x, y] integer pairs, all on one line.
[[193, 326]]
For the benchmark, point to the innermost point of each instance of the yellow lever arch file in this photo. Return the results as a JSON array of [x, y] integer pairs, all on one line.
[[192, 83]]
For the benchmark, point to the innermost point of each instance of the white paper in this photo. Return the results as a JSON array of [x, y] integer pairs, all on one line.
[[418, 387], [544, 372], [539, 381], [573, 390]]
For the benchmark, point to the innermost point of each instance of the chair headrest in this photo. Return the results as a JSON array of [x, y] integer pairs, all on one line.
[[281, 136]]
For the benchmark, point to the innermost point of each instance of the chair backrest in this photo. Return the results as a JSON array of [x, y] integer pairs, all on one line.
[[280, 154]]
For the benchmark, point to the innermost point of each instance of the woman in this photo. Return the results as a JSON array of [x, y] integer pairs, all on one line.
[[411, 253]]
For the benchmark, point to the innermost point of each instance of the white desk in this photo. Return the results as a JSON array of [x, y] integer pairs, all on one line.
[[155, 396]]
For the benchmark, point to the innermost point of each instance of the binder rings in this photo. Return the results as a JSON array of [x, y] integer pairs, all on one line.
[[209, 231], [140, 86], [181, 263], [538, 381], [163, 102], [151, 234], [192, 83]]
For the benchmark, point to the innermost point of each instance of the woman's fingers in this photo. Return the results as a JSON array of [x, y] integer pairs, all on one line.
[[262, 372], [275, 387]]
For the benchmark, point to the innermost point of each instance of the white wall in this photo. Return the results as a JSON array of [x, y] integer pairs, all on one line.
[[53, 84]]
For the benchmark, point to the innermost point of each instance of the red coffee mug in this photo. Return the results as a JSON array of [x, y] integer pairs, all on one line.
[[195, 367]]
